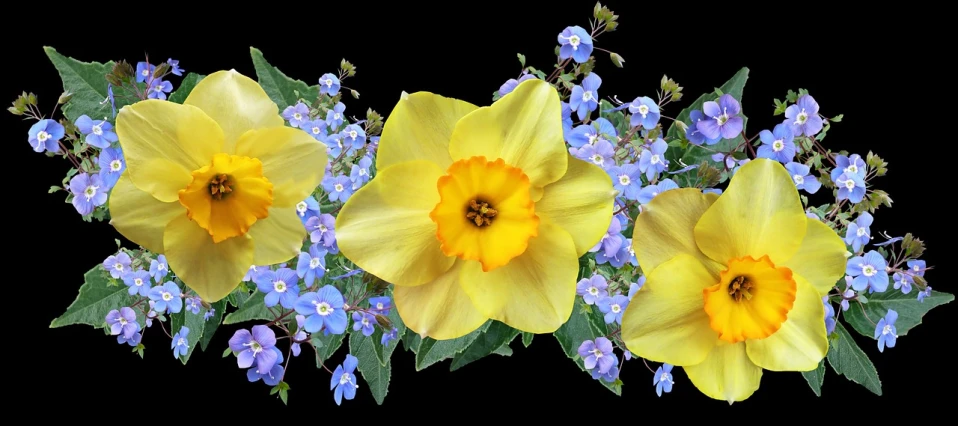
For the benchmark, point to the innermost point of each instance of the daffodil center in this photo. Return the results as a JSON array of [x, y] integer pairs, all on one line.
[[751, 300], [42, 136], [485, 212], [778, 145], [221, 186], [116, 165], [228, 196]]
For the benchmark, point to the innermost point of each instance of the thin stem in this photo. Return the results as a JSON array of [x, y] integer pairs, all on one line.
[[647, 366]]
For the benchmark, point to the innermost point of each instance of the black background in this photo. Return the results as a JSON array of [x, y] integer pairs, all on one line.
[[464, 54]]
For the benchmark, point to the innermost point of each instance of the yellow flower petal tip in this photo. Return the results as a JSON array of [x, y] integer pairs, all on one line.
[[736, 280], [213, 183], [485, 212]]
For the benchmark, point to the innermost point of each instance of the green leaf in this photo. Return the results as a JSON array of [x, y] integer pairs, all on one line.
[[186, 86], [212, 324], [411, 341], [487, 343], [522, 59], [87, 82], [325, 346], [695, 155], [253, 309], [374, 374], [910, 310], [280, 88], [431, 351], [97, 298], [527, 339], [815, 378], [227, 352], [580, 327], [196, 325], [848, 360], [504, 350]]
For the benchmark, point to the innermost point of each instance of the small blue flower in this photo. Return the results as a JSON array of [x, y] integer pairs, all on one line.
[[649, 192], [175, 67], [159, 88], [693, 134], [144, 71], [636, 286], [312, 265], [609, 376], [138, 282], [778, 144], [159, 268], [613, 307], [652, 162], [380, 305], [868, 272], [323, 310], [924, 293], [512, 83], [723, 119], [273, 376], [597, 353], [585, 98], [322, 229], [255, 347], [715, 191], [112, 164], [859, 233], [315, 128], [299, 336], [360, 172], [803, 117], [280, 286], [592, 289], [601, 154], [917, 267], [388, 337], [627, 179], [307, 209], [329, 85], [903, 282], [339, 187], [88, 192], [885, 331], [829, 316], [167, 298], [847, 295], [365, 322], [297, 115], [110, 98], [851, 187], [801, 175], [193, 304], [566, 120], [209, 314], [663, 379], [334, 117], [576, 43], [180, 343], [852, 165], [589, 134], [117, 264], [45, 136], [133, 340], [334, 145], [611, 242], [626, 254], [122, 321], [355, 137], [253, 272], [645, 113], [343, 382], [98, 133]]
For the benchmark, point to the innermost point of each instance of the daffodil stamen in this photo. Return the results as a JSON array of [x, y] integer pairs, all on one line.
[[220, 186], [480, 213], [739, 288], [761, 297]]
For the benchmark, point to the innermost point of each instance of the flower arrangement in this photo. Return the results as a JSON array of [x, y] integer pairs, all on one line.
[[453, 229]]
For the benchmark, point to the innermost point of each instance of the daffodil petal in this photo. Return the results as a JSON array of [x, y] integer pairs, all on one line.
[[665, 321], [665, 229], [211, 270], [237, 103], [292, 160], [163, 142], [801, 343], [821, 257], [385, 227], [524, 129], [727, 373], [535, 291], [580, 203], [139, 216], [419, 128], [439, 309], [278, 237], [759, 214]]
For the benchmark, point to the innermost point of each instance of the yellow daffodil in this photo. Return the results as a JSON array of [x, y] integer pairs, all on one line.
[[477, 213], [734, 282], [213, 183]]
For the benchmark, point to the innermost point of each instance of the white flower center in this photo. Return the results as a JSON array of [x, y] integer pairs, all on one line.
[[328, 82], [90, 191], [167, 296], [181, 342], [138, 282], [338, 187], [656, 159], [593, 291], [337, 116], [160, 266], [297, 116], [916, 268], [323, 228], [146, 73], [317, 130], [616, 308], [597, 159], [353, 134], [116, 165], [97, 130], [722, 118], [644, 110], [850, 184], [802, 117], [593, 138], [861, 232], [43, 136], [363, 172], [301, 207], [255, 346], [323, 308], [279, 286], [314, 262], [122, 321], [365, 321], [799, 179], [344, 379], [778, 145], [118, 266], [587, 96], [574, 41], [379, 305], [665, 378], [597, 353], [886, 329], [869, 270], [158, 88], [851, 168], [625, 179]]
